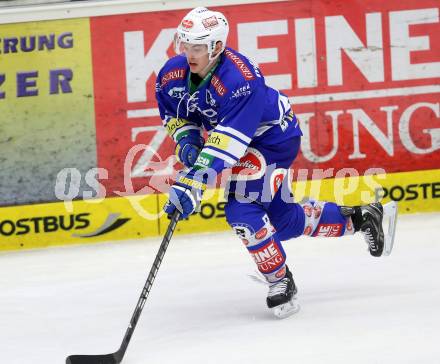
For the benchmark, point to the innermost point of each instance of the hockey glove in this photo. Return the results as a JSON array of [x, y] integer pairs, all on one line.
[[185, 195], [188, 149]]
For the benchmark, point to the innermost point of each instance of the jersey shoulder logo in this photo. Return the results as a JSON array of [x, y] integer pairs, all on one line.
[[239, 63], [173, 75]]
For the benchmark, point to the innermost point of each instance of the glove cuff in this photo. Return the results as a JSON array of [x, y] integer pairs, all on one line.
[[188, 194], [185, 181], [191, 137]]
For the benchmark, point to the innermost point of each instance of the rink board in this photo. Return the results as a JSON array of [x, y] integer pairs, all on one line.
[[47, 108], [89, 221], [414, 191], [77, 222]]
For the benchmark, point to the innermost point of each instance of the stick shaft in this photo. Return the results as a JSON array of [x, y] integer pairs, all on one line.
[[148, 284], [116, 358]]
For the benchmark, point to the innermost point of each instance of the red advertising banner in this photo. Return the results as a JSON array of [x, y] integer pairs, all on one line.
[[363, 78]]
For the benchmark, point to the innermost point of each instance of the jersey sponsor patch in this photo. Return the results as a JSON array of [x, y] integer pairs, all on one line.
[[218, 85], [313, 213], [173, 124], [175, 74], [250, 167], [269, 257], [281, 273], [243, 231], [261, 234], [204, 160], [220, 141], [241, 91], [242, 67], [308, 210], [317, 211], [276, 179], [328, 230], [177, 92], [251, 238], [308, 230]]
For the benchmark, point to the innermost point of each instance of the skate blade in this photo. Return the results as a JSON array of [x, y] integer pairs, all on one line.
[[286, 309], [390, 219]]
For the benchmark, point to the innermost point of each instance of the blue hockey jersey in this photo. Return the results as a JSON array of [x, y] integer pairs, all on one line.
[[234, 106]]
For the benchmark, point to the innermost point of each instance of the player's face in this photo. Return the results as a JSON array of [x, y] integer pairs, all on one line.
[[196, 55]]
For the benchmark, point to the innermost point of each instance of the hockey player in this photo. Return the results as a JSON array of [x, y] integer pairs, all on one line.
[[251, 129]]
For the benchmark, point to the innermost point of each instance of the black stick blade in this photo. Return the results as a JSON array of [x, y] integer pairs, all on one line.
[[92, 359]]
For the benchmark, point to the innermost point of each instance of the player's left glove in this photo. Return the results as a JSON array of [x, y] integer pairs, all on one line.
[[185, 195], [188, 149]]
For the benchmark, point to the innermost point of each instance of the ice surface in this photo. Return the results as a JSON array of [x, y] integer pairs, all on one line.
[[204, 309]]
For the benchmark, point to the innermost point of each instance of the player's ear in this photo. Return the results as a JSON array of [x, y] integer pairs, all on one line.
[[218, 46]]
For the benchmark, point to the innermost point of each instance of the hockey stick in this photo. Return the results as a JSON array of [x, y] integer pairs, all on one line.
[[116, 357]]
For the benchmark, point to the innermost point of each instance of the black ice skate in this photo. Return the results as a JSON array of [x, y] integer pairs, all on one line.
[[281, 298], [369, 220]]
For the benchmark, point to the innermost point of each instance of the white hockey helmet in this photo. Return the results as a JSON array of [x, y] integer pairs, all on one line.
[[201, 26]]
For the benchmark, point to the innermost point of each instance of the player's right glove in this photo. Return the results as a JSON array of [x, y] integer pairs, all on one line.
[[188, 149], [186, 193]]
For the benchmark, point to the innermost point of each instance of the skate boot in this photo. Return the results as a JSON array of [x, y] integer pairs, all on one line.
[[281, 298], [368, 220]]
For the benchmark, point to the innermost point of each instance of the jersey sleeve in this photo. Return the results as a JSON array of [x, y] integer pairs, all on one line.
[[239, 119], [176, 127]]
